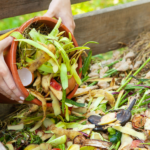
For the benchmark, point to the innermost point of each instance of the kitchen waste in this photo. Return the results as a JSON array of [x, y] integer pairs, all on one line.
[[109, 111]]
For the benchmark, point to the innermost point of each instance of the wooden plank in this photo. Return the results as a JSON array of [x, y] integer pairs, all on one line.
[[11, 8], [112, 25]]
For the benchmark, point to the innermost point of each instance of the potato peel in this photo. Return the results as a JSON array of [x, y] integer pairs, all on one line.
[[69, 133], [42, 99], [107, 95], [46, 82], [38, 80]]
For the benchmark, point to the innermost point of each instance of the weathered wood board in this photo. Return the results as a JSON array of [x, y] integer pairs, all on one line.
[[11, 8], [109, 26]]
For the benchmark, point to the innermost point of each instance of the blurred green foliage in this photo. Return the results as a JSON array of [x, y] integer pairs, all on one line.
[[96, 4], [76, 9]]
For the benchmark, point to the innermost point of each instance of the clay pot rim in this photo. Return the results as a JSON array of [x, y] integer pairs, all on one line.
[[13, 65]]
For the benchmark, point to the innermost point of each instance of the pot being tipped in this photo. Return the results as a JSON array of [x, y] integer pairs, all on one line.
[[10, 58]]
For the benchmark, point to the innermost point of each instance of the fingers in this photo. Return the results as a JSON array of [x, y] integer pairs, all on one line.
[[62, 9], [48, 15], [66, 20], [69, 23], [2, 147], [7, 92], [11, 84], [7, 84], [5, 43]]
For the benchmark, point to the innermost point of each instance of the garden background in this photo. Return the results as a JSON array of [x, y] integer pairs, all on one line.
[[80, 8]]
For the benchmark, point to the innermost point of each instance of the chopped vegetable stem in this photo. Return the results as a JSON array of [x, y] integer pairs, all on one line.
[[86, 63], [111, 64], [128, 75], [117, 145], [144, 96], [75, 103], [119, 99], [114, 71], [63, 100], [85, 78], [144, 103], [122, 86], [93, 83]]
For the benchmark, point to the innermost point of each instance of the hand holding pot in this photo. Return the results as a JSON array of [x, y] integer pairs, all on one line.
[[7, 84], [2, 147], [62, 8]]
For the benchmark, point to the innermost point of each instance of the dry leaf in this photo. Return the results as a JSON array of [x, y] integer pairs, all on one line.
[[103, 71], [83, 91], [137, 65]]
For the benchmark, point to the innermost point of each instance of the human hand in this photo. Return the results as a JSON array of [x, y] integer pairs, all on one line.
[[7, 84], [62, 8], [2, 147]]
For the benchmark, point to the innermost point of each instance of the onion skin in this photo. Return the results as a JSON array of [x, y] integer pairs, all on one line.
[[138, 122], [71, 85]]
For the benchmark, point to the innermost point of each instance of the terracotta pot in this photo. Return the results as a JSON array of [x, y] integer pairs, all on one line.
[[11, 57]]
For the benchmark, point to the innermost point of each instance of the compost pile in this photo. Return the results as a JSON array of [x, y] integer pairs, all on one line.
[[109, 111]]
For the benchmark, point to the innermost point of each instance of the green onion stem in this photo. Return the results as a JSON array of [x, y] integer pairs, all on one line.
[[93, 83], [117, 145], [125, 100], [139, 110], [111, 64], [90, 102], [142, 99], [119, 99], [128, 75], [110, 70], [122, 102], [144, 103], [124, 95], [85, 79], [123, 85], [112, 147], [108, 74], [63, 100]]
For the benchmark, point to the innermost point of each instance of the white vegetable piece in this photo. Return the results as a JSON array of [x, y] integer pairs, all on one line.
[[10, 147], [147, 124], [107, 119], [74, 147], [48, 122], [96, 136], [55, 104], [130, 131], [95, 103], [37, 125], [126, 140], [57, 93], [83, 127], [43, 146], [15, 127], [147, 113], [147, 75]]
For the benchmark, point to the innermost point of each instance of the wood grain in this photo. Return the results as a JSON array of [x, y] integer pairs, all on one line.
[[11, 8], [112, 25]]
